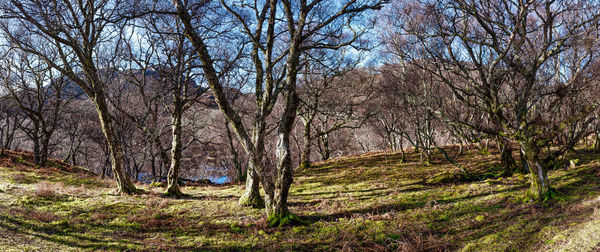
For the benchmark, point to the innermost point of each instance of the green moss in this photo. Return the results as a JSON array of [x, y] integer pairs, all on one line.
[[298, 229], [441, 178], [23, 178], [284, 220], [484, 152], [369, 201], [156, 184], [235, 228], [123, 222], [305, 165], [255, 201]]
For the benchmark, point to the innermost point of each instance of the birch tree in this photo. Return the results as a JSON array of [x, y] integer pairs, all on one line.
[[39, 92], [290, 25], [82, 35], [517, 61]]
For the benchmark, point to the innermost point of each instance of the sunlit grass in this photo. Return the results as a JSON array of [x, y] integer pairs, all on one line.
[[374, 201]]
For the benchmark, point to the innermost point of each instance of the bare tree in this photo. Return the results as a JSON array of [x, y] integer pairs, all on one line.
[[9, 121], [81, 34], [332, 94], [39, 93], [74, 124], [301, 25], [163, 69], [413, 97], [517, 61]]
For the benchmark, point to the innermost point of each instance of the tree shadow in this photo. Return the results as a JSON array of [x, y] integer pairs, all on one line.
[[402, 206], [60, 233]]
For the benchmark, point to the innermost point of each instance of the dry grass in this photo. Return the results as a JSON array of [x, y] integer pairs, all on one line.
[[79, 191], [45, 189], [372, 202], [21, 178], [33, 214], [100, 217]]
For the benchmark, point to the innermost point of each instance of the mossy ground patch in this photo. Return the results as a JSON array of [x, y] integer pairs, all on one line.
[[373, 201]]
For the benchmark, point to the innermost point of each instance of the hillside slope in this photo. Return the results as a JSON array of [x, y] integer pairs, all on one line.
[[369, 202]]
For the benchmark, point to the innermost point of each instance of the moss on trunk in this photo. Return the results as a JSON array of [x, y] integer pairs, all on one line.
[[540, 184], [251, 196]]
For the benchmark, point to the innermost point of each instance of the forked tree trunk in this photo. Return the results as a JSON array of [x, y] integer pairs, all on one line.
[[114, 145], [540, 184], [176, 153], [251, 196], [276, 198], [324, 149]]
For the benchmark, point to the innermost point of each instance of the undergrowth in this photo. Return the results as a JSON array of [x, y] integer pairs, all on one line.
[[376, 201]]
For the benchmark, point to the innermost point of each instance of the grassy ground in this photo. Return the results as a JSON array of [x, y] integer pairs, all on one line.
[[369, 202]]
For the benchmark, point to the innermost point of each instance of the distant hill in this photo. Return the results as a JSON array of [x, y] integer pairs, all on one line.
[[73, 90]]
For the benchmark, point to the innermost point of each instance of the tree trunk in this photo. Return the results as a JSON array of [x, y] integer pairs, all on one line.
[[277, 209], [36, 151], [305, 156], [239, 168], [44, 150], [153, 166], [105, 166], [506, 158], [524, 166], [251, 196], [597, 141], [236, 161], [540, 184], [164, 157], [325, 151], [3, 152], [403, 158], [74, 158], [176, 153], [115, 148]]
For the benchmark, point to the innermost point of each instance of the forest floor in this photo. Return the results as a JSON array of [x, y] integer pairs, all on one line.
[[373, 201]]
